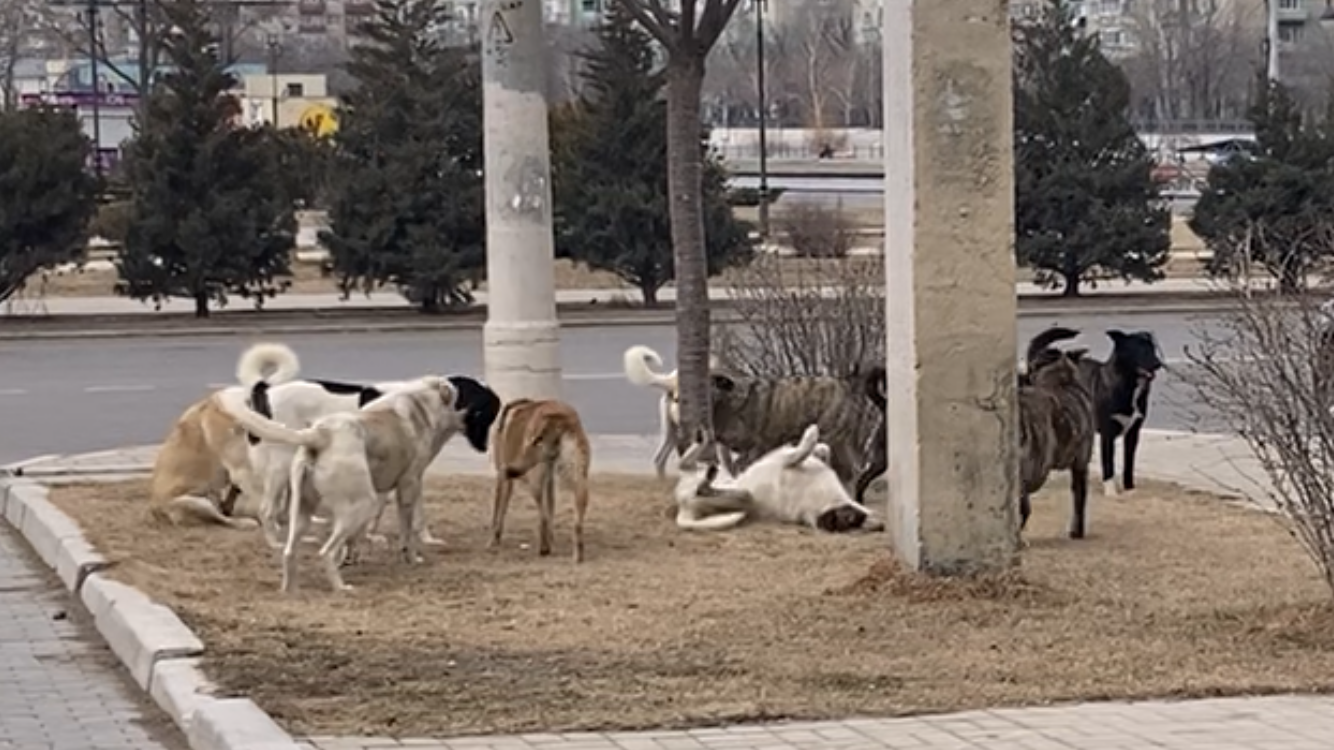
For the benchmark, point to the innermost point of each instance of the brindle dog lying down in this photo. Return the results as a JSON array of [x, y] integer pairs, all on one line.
[[1056, 430]]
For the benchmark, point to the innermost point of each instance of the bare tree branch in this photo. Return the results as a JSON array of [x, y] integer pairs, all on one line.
[[714, 21], [652, 17]]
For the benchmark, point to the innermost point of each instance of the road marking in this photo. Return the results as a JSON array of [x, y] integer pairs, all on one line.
[[594, 376], [12, 391], [119, 388]]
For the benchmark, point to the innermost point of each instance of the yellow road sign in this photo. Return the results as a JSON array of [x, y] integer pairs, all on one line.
[[319, 119]]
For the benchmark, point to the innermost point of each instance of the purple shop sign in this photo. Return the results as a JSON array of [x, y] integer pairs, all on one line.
[[79, 99]]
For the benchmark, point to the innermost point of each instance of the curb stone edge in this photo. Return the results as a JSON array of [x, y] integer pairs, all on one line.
[[158, 650]]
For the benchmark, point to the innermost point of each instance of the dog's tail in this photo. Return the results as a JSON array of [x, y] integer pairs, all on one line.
[[269, 363], [266, 429], [716, 522], [640, 362], [809, 440], [874, 383], [1046, 339], [200, 508]]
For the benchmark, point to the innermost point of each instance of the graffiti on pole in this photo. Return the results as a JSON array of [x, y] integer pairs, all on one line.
[[499, 33]]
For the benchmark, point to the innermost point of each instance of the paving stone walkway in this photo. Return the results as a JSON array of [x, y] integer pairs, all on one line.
[[61, 688], [1272, 723]]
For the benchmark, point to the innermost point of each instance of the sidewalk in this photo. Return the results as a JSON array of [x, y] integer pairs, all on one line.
[[390, 300], [1212, 463], [60, 685]]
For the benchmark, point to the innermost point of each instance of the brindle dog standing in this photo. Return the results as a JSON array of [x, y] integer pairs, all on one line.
[[875, 391], [752, 416], [1056, 430]]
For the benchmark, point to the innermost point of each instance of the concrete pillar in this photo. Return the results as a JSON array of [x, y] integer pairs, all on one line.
[[522, 337], [949, 272]]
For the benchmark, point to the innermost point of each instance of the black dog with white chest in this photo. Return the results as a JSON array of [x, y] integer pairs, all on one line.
[[1120, 388]]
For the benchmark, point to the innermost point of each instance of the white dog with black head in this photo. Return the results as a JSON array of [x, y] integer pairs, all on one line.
[[792, 484], [347, 462]]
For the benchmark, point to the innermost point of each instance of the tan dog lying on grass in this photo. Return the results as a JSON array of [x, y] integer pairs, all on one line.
[[537, 441], [205, 456]]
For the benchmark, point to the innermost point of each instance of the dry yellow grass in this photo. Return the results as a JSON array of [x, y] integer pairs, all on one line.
[[1173, 594]]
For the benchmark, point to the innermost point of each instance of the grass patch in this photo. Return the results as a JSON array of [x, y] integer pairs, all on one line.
[[1174, 594]]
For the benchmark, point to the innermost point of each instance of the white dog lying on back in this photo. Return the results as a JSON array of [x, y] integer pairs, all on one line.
[[790, 484]]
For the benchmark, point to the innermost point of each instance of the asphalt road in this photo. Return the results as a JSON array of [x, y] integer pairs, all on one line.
[[87, 395]]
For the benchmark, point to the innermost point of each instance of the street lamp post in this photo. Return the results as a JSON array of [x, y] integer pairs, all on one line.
[[275, 49], [97, 88], [764, 112]]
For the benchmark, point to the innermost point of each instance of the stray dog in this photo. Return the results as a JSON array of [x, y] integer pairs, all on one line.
[[1055, 429], [753, 416], [1120, 389], [789, 485], [875, 391], [205, 456], [299, 404], [546, 436], [639, 362], [347, 461]]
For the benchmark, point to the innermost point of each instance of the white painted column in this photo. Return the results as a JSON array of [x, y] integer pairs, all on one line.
[[949, 272], [521, 336]]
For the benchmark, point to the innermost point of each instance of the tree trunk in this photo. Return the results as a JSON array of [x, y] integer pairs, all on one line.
[[1071, 288], [685, 79], [201, 304]]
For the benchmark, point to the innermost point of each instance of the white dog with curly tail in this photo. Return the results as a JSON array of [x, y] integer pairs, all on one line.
[[640, 363]]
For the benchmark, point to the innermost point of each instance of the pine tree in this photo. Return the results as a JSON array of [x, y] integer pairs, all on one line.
[[610, 169], [1277, 201], [47, 194], [408, 205], [1086, 205], [208, 215]]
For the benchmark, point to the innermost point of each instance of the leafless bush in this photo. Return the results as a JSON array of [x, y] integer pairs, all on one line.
[[816, 231], [812, 317], [1265, 378]]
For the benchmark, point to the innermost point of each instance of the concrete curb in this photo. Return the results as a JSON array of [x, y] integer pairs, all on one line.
[[368, 320], [159, 651]]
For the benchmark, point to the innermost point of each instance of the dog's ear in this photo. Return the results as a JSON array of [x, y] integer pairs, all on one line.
[[723, 383], [1117, 336]]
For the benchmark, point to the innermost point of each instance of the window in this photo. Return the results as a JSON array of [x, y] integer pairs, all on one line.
[[1290, 33], [1112, 38], [1109, 8], [1292, 4], [295, 90]]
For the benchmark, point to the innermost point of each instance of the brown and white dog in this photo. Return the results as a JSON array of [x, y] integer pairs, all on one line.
[[204, 461], [347, 461], [540, 442]]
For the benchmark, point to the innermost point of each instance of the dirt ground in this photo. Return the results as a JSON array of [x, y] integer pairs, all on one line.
[[1173, 594]]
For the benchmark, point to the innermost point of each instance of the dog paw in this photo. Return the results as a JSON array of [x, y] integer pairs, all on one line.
[[431, 541], [377, 538], [1109, 488]]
